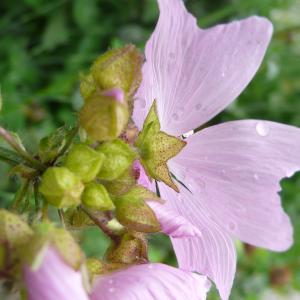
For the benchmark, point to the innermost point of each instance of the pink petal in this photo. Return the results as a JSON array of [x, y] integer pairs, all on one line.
[[142, 178], [116, 93], [54, 280], [172, 223], [213, 254], [194, 73], [235, 170], [151, 282]]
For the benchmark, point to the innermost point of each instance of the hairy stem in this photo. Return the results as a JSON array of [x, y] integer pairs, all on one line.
[[21, 194], [101, 221]]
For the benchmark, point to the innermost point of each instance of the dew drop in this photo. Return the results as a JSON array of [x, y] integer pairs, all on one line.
[[232, 226], [111, 290], [198, 106], [175, 117], [223, 74], [262, 128], [256, 177], [172, 55], [187, 134]]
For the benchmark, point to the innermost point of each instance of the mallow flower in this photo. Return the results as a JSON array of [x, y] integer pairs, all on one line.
[[53, 279], [227, 175]]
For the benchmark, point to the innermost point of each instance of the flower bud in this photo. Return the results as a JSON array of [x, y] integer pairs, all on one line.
[[96, 196], [118, 157], [133, 212], [13, 230], [132, 248], [104, 116], [84, 161], [61, 187], [14, 233], [122, 184], [118, 68]]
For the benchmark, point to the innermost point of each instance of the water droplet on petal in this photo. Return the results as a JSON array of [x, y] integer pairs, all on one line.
[[256, 177], [111, 290], [198, 106], [172, 55], [175, 117], [223, 74], [187, 134], [262, 128], [232, 226]]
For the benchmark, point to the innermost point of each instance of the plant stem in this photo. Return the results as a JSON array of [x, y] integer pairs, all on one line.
[[61, 217], [101, 221], [14, 144], [36, 195], [21, 194]]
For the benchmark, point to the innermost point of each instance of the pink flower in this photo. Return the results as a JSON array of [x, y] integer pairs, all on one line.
[[231, 171], [151, 282], [54, 280]]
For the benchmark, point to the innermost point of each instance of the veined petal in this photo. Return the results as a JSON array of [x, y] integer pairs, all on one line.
[[151, 282], [235, 169], [213, 254], [53, 280], [194, 73], [172, 223]]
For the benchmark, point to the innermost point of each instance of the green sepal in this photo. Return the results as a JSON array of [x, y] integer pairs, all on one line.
[[50, 146], [118, 158], [103, 117], [132, 248], [84, 161], [96, 196], [156, 148], [61, 187], [47, 235], [133, 212]]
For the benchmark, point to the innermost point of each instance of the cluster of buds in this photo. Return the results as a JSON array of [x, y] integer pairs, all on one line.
[[103, 178]]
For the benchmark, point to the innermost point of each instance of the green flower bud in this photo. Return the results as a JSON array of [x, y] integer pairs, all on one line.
[[76, 219], [104, 116], [132, 248], [122, 184], [61, 187], [133, 212], [87, 85], [13, 230], [47, 235], [119, 68], [84, 161], [14, 233], [118, 158], [96, 196]]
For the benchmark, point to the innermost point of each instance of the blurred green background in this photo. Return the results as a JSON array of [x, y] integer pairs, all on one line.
[[44, 45]]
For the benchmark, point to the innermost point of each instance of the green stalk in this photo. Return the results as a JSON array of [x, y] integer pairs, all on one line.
[[21, 194], [15, 145]]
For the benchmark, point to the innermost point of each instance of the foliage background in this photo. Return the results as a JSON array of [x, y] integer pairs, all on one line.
[[44, 45]]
